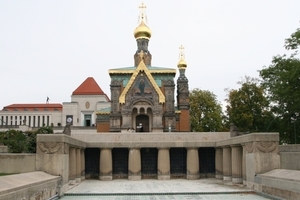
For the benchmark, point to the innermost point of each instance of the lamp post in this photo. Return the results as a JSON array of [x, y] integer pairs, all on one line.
[[295, 133], [270, 124]]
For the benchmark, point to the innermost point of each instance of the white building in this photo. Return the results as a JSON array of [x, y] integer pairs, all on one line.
[[85, 101]]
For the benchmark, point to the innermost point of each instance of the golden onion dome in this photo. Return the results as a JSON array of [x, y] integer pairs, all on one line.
[[142, 31], [182, 64]]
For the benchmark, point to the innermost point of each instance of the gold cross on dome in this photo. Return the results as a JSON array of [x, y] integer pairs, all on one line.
[[181, 52], [142, 8]]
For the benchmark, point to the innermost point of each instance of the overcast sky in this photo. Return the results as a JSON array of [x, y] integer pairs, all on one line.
[[49, 47]]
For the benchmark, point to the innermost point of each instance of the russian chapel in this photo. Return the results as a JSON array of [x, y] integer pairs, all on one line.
[[143, 96]]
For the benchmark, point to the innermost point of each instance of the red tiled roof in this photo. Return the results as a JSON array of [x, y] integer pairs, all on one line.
[[88, 87], [34, 107]]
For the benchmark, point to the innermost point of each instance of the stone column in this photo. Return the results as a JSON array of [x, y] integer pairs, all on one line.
[[82, 156], [227, 176], [134, 164], [105, 164], [78, 166], [72, 164], [244, 164], [236, 163], [163, 164], [192, 164], [219, 163]]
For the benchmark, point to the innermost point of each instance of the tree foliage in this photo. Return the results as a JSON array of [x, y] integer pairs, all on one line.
[[205, 111], [247, 106], [15, 141], [282, 82], [22, 142]]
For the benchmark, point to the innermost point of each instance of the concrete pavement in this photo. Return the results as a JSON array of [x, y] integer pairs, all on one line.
[[160, 189]]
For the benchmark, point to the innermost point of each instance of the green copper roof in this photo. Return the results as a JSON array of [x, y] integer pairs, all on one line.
[[103, 110], [149, 67]]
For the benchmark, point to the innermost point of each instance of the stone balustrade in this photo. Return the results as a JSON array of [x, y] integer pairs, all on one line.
[[61, 155], [243, 157], [237, 159]]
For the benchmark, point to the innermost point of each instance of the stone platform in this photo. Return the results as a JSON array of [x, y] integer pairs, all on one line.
[[32, 185], [280, 182], [160, 189]]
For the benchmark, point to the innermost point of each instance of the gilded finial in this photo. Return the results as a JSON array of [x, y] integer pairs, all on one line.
[[142, 16], [142, 31], [181, 52], [181, 64]]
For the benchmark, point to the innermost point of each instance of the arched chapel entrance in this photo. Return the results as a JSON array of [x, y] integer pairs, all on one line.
[[142, 117], [142, 123]]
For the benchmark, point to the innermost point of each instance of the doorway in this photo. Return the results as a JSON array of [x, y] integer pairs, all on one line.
[[92, 163], [87, 120], [178, 162], [142, 123], [120, 163], [149, 162]]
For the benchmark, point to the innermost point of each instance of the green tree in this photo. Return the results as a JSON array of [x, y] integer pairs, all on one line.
[[205, 111], [22, 142], [282, 82], [247, 107], [15, 141], [31, 137]]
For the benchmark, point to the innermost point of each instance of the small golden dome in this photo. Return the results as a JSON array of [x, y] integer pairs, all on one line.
[[182, 64], [142, 31]]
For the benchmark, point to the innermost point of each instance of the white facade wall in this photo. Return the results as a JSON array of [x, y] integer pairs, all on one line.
[[33, 118], [82, 107], [73, 110]]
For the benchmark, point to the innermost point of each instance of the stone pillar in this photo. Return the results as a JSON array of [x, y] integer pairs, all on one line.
[[244, 164], [82, 164], [236, 163], [192, 164], [105, 164], [219, 163], [78, 166], [163, 164], [134, 164], [72, 164], [261, 157], [227, 176]]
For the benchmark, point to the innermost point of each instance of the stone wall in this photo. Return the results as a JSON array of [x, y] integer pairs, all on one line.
[[33, 185], [60, 155], [239, 159], [13, 163], [157, 139], [281, 183], [3, 149], [290, 156]]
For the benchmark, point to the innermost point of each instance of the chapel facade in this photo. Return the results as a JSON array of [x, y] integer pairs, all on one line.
[[143, 96]]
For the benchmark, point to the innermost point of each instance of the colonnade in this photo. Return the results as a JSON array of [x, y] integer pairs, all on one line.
[[163, 164], [31, 120], [230, 163], [76, 164]]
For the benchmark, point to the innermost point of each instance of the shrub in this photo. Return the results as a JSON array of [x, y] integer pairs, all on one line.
[[22, 142]]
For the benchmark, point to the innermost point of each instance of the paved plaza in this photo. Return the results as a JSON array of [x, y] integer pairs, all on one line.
[[160, 189]]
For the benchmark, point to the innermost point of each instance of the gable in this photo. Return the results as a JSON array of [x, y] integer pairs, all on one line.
[[141, 86], [141, 69]]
